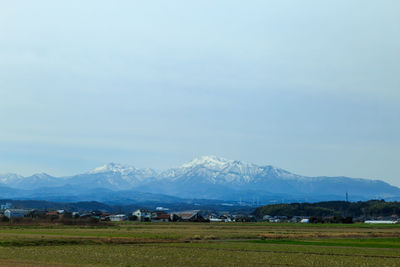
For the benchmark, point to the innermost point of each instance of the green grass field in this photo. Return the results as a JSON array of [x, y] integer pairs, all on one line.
[[200, 244]]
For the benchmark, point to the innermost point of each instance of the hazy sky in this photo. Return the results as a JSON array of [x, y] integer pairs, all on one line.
[[309, 86]]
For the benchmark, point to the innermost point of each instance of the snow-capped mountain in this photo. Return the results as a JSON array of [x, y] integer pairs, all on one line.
[[207, 177], [113, 167], [113, 176], [215, 170], [124, 170], [9, 178], [225, 172], [31, 182]]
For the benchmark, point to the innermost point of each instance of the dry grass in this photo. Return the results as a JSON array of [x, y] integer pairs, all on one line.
[[195, 244]]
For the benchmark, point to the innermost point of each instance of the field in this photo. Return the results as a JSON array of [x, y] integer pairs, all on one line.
[[200, 244]]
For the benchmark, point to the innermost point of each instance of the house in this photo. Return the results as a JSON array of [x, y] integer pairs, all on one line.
[[15, 213], [187, 216], [142, 215], [160, 216], [118, 217]]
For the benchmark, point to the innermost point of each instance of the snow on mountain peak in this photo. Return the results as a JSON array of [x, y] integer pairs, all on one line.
[[42, 175], [9, 177], [224, 169], [124, 170], [113, 167], [208, 161]]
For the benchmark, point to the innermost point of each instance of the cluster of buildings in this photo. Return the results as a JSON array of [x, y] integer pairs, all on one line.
[[7, 211], [188, 216], [278, 219], [142, 215], [145, 215], [12, 213]]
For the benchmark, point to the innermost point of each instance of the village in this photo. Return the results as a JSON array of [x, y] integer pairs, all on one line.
[[160, 214]]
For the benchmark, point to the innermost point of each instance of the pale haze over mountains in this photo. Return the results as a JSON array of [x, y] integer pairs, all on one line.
[[207, 177]]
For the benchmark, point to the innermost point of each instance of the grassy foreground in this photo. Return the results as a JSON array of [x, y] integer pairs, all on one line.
[[200, 244]]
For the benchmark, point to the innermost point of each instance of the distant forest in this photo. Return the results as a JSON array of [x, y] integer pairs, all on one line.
[[364, 209]]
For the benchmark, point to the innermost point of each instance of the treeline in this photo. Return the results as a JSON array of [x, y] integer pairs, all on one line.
[[360, 209]]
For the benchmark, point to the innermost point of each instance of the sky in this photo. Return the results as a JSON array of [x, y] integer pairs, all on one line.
[[312, 87]]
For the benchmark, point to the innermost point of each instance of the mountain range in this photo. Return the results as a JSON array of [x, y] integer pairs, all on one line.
[[207, 177]]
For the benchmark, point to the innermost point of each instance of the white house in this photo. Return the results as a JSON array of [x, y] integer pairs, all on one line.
[[15, 213], [142, 214]]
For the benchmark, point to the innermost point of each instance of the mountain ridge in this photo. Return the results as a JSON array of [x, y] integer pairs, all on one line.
[[208, 177]]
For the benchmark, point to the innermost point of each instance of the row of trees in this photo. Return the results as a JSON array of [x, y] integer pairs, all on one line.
[[367, 209]]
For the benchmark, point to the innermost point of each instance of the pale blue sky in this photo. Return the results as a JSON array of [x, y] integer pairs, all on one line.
[[309, 86]]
